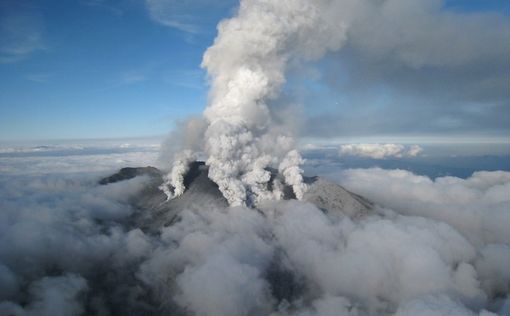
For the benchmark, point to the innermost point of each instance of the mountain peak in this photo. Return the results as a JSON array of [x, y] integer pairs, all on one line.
[[202, 193]]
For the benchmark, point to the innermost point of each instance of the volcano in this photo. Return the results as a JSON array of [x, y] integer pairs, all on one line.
[[155, 211]]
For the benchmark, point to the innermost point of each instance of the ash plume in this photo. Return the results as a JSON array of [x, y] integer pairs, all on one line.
[[176, 177], [247, 65], [390, 243]]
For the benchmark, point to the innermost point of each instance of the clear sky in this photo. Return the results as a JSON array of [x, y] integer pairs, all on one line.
[[103, 69]]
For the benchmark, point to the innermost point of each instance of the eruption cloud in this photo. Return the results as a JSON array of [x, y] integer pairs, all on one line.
[[176, 177], [246, 66], [69, 246]]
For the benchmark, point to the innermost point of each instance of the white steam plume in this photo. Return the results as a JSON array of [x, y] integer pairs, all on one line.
[[247, 65], [289, 168], [176, 177]]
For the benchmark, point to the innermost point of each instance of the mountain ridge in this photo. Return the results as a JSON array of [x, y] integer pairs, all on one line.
[[155, 211]]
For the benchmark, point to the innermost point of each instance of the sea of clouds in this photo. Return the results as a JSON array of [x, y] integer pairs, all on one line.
[[69, 246], [380, 151], [431, 247]]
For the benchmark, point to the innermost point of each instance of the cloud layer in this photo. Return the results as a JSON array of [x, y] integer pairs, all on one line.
[[380, 151], [58, 235], [78, 157], [476, 207], [437, 247]]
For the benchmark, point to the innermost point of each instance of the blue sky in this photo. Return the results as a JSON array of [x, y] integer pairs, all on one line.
[[100, 70], [103, 69]]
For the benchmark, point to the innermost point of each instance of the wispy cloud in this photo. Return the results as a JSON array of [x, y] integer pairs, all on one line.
[[21, 35], [191, 16], [173, 14], [192, 79], [39, 77], [131, 77], [127, 78], [104, 5]]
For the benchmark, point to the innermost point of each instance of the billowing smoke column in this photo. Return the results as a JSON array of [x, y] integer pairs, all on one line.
[[247, 66], [176, 176]]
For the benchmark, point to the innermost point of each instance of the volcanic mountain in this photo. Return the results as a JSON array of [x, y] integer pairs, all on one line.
[[202, 193]]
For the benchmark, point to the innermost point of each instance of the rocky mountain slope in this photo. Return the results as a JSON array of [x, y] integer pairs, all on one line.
[[202, 193]]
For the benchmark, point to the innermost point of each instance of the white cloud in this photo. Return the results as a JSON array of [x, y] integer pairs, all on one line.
[[104, 5], [414, 151], [380, 151], [56, 232], [75, 163], [176, 14], [478, 207], [99, 157], [21, 35], [191, 16], [131, 77], [39, 77], [68, 245], [51, 296], [435, 306]]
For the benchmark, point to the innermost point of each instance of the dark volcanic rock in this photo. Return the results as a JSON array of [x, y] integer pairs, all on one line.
[[129, 173], [202, 194]]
